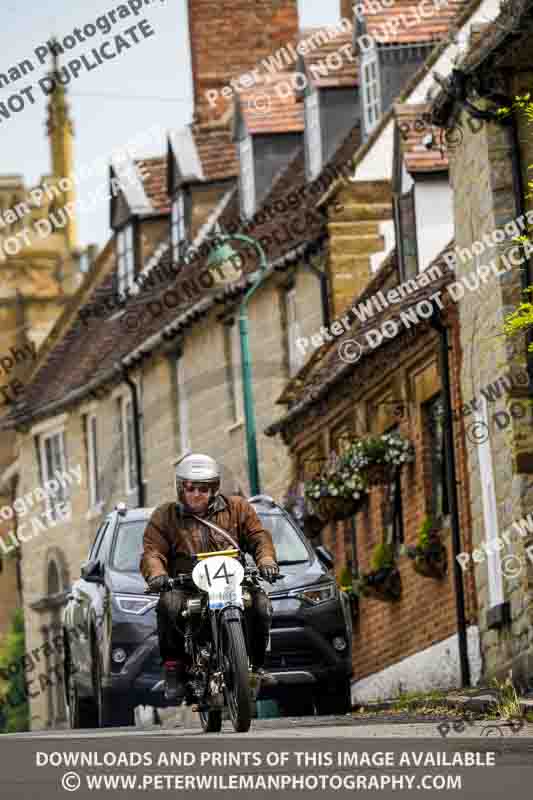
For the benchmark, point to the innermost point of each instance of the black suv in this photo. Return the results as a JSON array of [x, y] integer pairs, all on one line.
[[112, 661]]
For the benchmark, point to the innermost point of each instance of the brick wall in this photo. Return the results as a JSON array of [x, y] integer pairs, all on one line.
[[230, 37], [387, 633]]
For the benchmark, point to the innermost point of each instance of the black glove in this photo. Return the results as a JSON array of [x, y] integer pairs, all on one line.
[[269, 571], [160, 583]]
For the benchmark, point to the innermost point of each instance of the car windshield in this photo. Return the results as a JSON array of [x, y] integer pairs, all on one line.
[[129, 543]]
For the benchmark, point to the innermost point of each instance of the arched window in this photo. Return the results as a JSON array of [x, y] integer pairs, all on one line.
[[53, 582]]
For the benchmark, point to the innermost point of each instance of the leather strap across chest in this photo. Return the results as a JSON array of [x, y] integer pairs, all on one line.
[[217, 529]]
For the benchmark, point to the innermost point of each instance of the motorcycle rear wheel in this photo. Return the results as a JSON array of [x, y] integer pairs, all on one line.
[[236, 675]]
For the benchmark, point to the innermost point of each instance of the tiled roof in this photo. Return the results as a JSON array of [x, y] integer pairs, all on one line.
[[322, 66], [327, 365], [400, 23], [216, 151], [412, 121], [272, 106], [155, 182], [90, 352]]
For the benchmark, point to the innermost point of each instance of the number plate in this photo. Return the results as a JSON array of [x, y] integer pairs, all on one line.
[[221, 578]]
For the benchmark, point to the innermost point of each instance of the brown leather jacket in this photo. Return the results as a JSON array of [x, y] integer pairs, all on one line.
[[172, 535]]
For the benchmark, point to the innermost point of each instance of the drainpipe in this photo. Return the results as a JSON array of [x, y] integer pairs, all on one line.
[[137, 434], [442, 330]]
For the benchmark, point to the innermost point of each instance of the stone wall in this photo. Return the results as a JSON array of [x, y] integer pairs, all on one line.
[[481, 174]]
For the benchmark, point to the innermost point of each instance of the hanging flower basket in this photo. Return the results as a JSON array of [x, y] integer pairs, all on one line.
[[383, 584], [429, 556], [377, 458], [338, 492], [335, 509]]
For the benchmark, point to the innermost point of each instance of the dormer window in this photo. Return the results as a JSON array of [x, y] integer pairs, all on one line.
[[177, 231], [313, 135], [371, 89], [126, 258], [247, 178]]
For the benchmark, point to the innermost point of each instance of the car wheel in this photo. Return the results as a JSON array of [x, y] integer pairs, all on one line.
[[81, 713], [336, 701], [113, 711]]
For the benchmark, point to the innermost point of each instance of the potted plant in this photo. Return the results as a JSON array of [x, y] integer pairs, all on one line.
[[338, 491], [346, 586], [377, 458], [383, 581], [429, 555]]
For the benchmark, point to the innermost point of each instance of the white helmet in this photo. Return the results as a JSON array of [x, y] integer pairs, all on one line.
[[200, 469]]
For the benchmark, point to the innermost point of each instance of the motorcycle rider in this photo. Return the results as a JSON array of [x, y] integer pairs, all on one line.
[[174, 532]]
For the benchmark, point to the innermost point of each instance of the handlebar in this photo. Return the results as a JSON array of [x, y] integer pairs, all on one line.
[[184, 578]]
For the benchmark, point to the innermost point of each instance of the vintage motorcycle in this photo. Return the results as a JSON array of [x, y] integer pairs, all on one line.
[[216, 637]]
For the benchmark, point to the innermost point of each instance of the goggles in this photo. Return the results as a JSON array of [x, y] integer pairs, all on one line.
[[204, 488]]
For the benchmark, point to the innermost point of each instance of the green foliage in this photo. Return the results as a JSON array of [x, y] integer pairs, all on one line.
[[383, 557], [424, 533], [14, 712], [345, 579]]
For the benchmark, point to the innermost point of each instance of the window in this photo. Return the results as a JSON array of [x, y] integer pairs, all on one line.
[[91, 441], [296, 354], [313, 134], [95, 549], [232, 346], [126, 258], [371, 90], [177, 230], [53, 465], [408, 233], [247, 177], [127, 436], [183, 407], [434, 410]]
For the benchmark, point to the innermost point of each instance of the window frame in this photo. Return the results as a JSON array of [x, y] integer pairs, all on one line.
[[63, 494], [313, 134], [370, 85], [95, 497], [432, 420], [295, 357], [129, 456], [178, 228], [232, 346], [247, 177], [183, 406], [126, 257]]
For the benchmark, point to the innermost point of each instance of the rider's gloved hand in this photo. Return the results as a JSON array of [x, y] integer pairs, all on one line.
[[269, 571], [160, 583]]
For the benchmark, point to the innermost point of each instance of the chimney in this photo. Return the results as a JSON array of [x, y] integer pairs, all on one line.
[[347, 9], [231, 37]]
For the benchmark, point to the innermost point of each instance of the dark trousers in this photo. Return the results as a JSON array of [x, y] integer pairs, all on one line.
[[171, 625]]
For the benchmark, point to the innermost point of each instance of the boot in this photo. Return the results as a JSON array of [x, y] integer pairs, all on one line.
[[174, 682]]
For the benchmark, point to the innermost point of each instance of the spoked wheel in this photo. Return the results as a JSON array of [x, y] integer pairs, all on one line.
[[211, 720], [235, 666]]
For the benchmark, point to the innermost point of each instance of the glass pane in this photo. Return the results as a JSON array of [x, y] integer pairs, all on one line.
[[287, 543]]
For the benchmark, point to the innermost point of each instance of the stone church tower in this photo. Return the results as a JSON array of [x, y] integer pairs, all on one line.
[[40, 269]]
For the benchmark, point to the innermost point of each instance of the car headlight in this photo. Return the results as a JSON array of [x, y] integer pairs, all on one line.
[[131, 604], [318, 594]]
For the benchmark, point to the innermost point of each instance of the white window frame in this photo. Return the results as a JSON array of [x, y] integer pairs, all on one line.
[[129, 456], [296, 357], [177, 226], [126, 258], [235, 374], [63, 493], [370, 88], [247, 177], [313, 133], [183, 406], [95, 497]]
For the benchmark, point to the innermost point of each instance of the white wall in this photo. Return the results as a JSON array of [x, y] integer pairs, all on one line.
[[436, 667], [434, 218]]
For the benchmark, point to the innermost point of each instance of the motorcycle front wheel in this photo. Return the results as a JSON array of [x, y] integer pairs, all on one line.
[[236, 678]]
